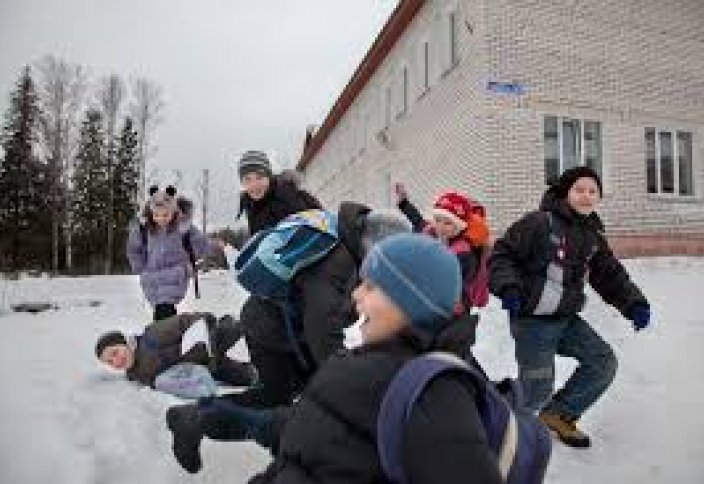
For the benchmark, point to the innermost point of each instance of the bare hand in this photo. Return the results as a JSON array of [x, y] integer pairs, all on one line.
[[217, 242], [401, 193]]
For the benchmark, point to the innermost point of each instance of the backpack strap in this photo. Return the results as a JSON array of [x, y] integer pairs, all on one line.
[[405, 389], [143, 235], [188, 247]]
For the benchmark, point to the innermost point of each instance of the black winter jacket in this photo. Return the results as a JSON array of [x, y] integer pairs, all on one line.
[[329, 436], [159, 348], [283, 198], [520, 259], [322, 295]]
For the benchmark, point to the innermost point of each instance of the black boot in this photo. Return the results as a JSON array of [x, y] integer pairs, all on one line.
[[185, 424]]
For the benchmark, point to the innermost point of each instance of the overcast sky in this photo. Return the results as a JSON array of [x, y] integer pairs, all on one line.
[[236, 74]]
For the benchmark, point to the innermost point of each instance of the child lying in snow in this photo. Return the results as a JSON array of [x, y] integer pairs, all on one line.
[[164, 355]]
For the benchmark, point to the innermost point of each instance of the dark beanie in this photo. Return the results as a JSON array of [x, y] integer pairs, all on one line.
[[419, 274], [570, 176], [254, 161], [109, 339]]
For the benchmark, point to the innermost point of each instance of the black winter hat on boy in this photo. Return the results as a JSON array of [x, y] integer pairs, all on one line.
[[109, 339], [254, 161], [570, 176]]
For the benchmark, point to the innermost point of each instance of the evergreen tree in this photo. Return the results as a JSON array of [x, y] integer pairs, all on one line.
[[90, 194], [23, 197], [125, 186]]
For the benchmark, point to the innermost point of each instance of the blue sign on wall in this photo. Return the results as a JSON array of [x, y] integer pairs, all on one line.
[[506, 88]]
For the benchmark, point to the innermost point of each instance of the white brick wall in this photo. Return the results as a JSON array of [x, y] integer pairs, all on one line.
[[626, 63]]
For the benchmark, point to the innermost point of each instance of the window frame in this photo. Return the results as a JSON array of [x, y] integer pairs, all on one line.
[[424, 69], [405, 90], [582, 144], [450, 44], [674, 136]]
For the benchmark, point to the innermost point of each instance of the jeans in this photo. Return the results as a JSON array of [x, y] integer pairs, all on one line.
[[538, 340]]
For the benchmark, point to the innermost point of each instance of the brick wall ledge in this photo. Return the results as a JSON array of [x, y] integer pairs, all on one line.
[[628, 245]]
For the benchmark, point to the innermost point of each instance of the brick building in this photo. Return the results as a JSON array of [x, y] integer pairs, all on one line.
[[496, 97]]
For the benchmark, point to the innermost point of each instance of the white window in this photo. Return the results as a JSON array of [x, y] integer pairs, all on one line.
[[404, 89], [363, 130], [571, 142], [387, 105], [668, 161], [424, 63], [453, 54]]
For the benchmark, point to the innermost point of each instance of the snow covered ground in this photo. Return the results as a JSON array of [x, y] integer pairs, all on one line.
[[65, 420]]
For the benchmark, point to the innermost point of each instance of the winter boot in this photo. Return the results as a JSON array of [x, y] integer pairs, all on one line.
[[185, 424], [565, 428]]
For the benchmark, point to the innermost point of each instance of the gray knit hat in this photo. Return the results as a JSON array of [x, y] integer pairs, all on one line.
[[381, 223], [254, 161]]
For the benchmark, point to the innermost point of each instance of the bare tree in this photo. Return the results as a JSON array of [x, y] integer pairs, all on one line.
[[202, 189], [146, 112], [61, 90], [111, 92]]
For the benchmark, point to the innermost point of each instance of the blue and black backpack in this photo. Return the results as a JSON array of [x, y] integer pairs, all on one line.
[[519, 440], [273, 257]]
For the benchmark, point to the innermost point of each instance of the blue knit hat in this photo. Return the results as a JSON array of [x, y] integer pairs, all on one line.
[[419, 274]]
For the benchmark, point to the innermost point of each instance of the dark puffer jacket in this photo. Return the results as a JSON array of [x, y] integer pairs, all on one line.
[[283, 198], [520, 259], [159, 348], [330, 434], [323, 296]]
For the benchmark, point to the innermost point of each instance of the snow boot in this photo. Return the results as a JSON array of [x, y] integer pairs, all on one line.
[[185, 424], [566, 429]]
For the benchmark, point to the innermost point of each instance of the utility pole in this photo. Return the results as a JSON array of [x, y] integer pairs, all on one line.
[[205, 189]]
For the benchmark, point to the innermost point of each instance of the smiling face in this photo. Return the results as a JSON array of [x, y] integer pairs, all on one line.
[[255, 184], [383, 318], [119, 357], [584, 196], [445, 227], [162, 216]]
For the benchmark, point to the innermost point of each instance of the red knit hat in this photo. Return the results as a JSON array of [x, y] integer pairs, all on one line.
[[455, 207]]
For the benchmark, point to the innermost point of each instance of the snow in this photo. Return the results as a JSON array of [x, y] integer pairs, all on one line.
[[65, 419]]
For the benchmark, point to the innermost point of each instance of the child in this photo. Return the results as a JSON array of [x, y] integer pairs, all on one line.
[[267, 198], [538, 269], [144, 357], [410, 284], [461, 225], [159, 250], [318, 311]]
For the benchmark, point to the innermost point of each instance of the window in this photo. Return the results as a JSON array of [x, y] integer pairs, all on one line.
[[363, 131], [452, 32], [668, 162], [571, 142], [387, 106], [403, 106], [426, 65]]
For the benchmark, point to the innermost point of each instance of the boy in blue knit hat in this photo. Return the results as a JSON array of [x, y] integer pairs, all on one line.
[[410, 284]]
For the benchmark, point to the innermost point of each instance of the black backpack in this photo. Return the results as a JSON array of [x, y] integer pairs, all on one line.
[[521, 442]]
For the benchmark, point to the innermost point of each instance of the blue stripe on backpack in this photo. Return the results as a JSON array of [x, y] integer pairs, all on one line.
[[519, 440], [273, 257]]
